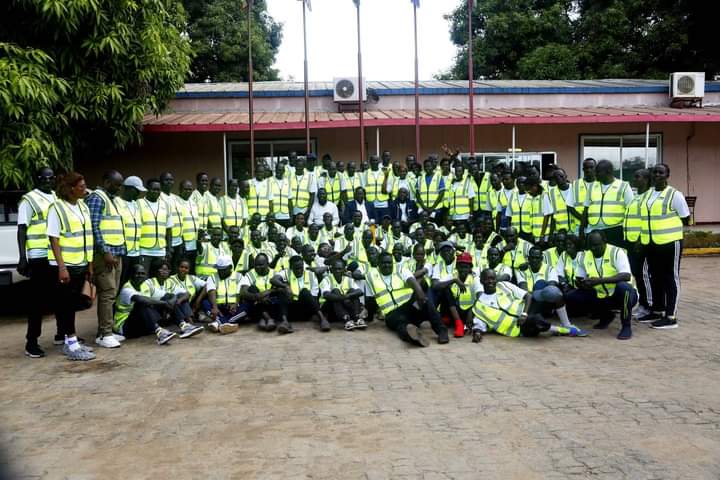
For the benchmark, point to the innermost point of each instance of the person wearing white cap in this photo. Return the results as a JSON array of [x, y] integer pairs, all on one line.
[[223, 297], [126, 204]]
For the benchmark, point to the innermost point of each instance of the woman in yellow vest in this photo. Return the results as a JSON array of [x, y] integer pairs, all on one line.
[[636, 253], [664, 212], [604, 285], [69, 229]]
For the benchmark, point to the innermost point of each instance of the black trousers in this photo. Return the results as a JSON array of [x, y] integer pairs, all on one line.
[[191, 257], [338, 311], [534, 325], [641, 272], [664, 266], [67, 299], [177, 253], [41, 281], [127, 264], [301, 309], [271, 307], [143, 320], [401, 317]]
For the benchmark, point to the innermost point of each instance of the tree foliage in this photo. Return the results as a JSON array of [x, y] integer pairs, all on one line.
[[77, 77], [218, 32], [547, 39]]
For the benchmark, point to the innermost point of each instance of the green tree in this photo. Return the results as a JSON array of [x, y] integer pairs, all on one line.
[[218, 34], [77, 77]]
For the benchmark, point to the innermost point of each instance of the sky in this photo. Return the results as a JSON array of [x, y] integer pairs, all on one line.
[[387, 39]]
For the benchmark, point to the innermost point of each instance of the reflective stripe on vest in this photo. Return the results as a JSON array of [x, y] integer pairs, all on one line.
[[503, 319], [122, 310], [36, 233], [300, 191], [389, 297], [570, 266], [608, 206], [190, 219], [550, 256], [344, 286], [131, 224], [206, 261], [259, 198], [226, 290], [465, 299], [76, 237], [213, 210], [482, 191], [606, 270], [374, 186], [580, 191], [458, 200], [429, 193], [260, 282], [531, 277], [522, 212], [333, 188], [295, 285], [234, 211], [562, 216], [660, 224], [632, 224], [188, 284], [174, 212], [154, 225], [200, 204], [281, 194], [111, 223]]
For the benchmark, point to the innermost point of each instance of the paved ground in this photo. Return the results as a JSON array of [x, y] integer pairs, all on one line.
[[363, 405]]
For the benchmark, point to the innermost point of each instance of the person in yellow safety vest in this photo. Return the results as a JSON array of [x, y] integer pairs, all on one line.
[[300, 287], [504, 198], [580, 189], [263, 300], [257, 246], [454, 286], [569, 263], [519, 209], [403, 303], [180, 313], [508, 310], [334, 185], [632, 226], [604, 282], [514, 250], [298, 229], [401, 180], [503, 273], [156, 231], [190, 222], [32, 241], [430, 190], [184, 280], [397, 237], [461, 238], [540, 211], [541, 280], [493, 199], [556, 245], [69, 230], [282, 196], [375, 187], [223, 298], [353, 179], [138, 311], [340, 297], [563, 203], [664, 212], [606, 203], [302, 188], [234, 208], [214, 212], [208, 254], [200, 198], [176, 247], [260, 199], [482, 187], [109, 241], [460, 195]]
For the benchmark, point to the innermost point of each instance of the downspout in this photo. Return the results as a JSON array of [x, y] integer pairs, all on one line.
[[690, 136]]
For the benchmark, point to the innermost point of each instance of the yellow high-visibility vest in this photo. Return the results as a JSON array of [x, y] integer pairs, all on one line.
[[570, 267], [632, 224], [522, 213], [281, 194], [458, 200], [111, 224], [206, 261], [465, 299], [531, 277], [262, 283], [235, 211], [606, 270], [214, 212], [154, 225], [580, 191], [482, 191], [132, 224], [122, 309], [295, 285], [429, 193], [564, 220], [333, 188], [502, 320], [300, 188], [227, 291], [608, 206], [660, 224], [76, 237], [389, 296], [344, 285], [259, 198], [374, 186], [36, 233], [190, 219], [174, 213]]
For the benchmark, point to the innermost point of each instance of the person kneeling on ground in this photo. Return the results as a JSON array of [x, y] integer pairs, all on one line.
[[403, 303], [603, 279], [137, 313], [506, 309], [340, 297], [223, 296], [301, 289]]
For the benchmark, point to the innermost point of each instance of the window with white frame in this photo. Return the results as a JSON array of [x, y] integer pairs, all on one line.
[[269, 151], [487, 160], [628, 153]]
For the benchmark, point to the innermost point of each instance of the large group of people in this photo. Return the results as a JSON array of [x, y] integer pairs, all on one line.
[[504, 250]]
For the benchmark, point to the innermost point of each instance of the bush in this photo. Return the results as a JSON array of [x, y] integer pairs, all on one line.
[[700, 239]]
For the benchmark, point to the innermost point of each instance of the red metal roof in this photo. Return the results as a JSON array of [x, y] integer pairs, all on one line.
[[238, 121]]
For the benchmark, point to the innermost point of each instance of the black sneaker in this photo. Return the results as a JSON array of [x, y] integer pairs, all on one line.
[[415, 336], [442, 337], [34, 351], [649, 318], [665, 323]]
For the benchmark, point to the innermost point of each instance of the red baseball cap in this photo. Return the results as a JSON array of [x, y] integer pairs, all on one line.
[[464, 258]]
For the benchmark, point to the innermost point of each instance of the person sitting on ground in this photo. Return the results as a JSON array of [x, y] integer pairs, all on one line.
[[263, 300], [604, 281], [503, 273], [340, 297], [161, 288], [312, 263], [513, 249], [209, 252], [183, 280], [507, 309], [443, 278], [403, 303], [329, 232], [463, 291], [223, 298], [557, 246], [541, 280], [300, 300], [396, 237], [298, 229], [137, 313]]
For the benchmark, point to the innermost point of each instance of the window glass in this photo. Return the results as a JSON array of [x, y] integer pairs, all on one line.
[[267, 151], [626, 152]]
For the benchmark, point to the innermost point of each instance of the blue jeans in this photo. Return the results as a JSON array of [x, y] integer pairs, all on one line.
[[224, 316]]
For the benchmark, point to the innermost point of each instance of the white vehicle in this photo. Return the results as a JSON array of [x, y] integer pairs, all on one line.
[[8, 239]]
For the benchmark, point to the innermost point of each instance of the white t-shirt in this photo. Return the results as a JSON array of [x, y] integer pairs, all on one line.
[[361, 208], [491, 300], [679, 204], [317, 211], [326, 286], [53, 223], [568, 196], [621, 263], [313, 287], [443, 274], [157, 252], [25, 215]]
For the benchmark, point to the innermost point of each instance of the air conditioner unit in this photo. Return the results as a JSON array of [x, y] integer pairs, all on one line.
[[690, 85], [345, 90]]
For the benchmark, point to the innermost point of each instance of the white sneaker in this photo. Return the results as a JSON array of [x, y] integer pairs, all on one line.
[[108, 341], [214, 326], [118, 337]]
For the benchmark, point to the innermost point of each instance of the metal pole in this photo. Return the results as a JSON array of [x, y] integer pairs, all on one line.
[[647, 142], [417, 88], [377, 141], [360, 88], [250, 90], [513, 147], [470, 77], [307, 106]]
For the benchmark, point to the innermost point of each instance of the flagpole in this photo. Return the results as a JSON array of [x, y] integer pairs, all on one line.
[[360, 87], [470, 78], [417, 87], [307, 107], [250, 90]]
